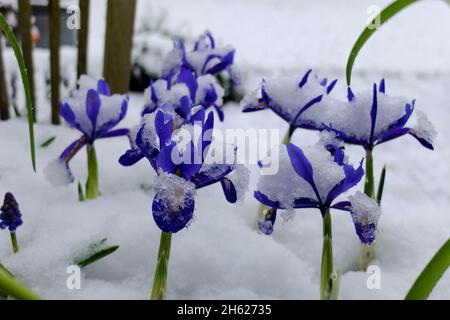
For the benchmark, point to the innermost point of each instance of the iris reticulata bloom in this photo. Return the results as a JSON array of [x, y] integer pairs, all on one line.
[[183, 91], [179, 156], [317, 176], [295, 100], [205, 58], [94, 112], [372, 118]]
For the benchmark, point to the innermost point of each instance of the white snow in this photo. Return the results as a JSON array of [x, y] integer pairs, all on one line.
[[365, 210], [415, 220]]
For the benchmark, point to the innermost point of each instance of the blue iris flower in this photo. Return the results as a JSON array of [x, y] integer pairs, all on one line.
[[94, 112], [373, 118], [184, 90], [10, 216], [314, 187], [181, 169], [292, 99], [205, 58]]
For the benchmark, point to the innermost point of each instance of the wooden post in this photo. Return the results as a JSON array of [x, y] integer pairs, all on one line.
[[4, 99], [82, 67], [118, 43], [25, 15], [54, 21]]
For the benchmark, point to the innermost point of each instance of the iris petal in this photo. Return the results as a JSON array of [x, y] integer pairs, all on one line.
[[173, 216]]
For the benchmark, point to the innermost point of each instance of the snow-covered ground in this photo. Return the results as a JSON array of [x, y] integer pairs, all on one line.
[[220, 255]]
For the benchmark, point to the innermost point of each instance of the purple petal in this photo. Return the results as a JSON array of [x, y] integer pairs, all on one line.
[[172, 217], [374, 113], [261, 197], [305, 203], [229, 190], [164, 127], [103, 88], [366, 233], [300, 163], [343, 206], [164, 159], [305, 78], [131, 157], [352, 178], [187, 77], [111, 123], [93, 104], [211, 175], [114, 134]]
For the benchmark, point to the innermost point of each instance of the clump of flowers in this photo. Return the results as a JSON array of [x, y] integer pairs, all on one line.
[[317, 177], [94, 112], [191, 79], [11, 218], [179, 156]]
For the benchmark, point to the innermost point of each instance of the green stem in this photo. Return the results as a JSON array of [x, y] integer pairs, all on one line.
[[369, 188], [160, 276], [92, 183], [14, 243], [327, 270], [15, 288], [367, 253], [433, 272]]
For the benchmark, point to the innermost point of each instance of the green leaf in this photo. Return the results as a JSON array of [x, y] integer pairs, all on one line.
[[81, 196], [23, 72], [383, 17], [381, 185], [429, 278], [16, 109], [48, 142], [15, 288], [96, 251]]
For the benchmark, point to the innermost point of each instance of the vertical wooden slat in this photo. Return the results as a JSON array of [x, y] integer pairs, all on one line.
[[118, 43], [54, 16], [4, 99], [82, 67], [25, 15]]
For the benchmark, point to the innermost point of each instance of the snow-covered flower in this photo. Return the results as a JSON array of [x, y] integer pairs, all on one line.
[[372, 118], [205, 58], [10, 215], [94, 112], [184, 92], [314, 178], [179, 156], [296, 100]]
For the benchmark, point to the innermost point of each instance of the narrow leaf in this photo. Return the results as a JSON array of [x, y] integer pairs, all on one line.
[[383, 17], [429, 278], [96, 251], [23, 72], [81, 196], [381, 185], [48, 142]]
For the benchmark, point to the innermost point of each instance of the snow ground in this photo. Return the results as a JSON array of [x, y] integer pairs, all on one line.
[[220, 255]]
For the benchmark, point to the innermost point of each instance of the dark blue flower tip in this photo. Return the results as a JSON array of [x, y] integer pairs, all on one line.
[[366, 233], [10, 215], [267, 226], [173, 216]]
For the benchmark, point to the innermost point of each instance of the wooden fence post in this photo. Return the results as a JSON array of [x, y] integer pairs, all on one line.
[[82, 66], [54, 20], [118, 44]]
